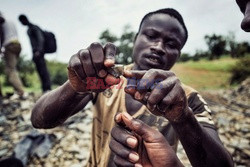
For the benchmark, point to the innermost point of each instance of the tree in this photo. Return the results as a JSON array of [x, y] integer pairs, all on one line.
[[232, 44], [125, 47], [184, 57], [106, 36], [216, 45], [200, 54], [124, 44]]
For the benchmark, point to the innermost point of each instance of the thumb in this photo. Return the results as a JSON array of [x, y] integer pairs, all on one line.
[[147, 133]]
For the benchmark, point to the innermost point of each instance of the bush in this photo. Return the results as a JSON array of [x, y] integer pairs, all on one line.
[[24, 67], [59, 77], [58, 72], [240, 71], [184, 57]]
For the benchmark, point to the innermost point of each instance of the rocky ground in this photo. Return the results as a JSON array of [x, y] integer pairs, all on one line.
[[67, 145]]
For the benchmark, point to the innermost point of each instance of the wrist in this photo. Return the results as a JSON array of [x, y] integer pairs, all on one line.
[[184, 117], [79, 93]]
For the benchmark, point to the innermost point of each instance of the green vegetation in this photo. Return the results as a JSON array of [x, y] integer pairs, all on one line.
[[30, 78], [222, 65], [204, 74], [241, 70]]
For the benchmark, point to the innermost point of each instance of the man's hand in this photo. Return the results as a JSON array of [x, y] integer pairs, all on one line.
[[134, 143], [87, 70], [160, 91]]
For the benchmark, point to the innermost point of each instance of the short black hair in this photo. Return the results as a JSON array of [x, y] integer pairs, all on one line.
[[242, 4], [22, 17], [171, 12]]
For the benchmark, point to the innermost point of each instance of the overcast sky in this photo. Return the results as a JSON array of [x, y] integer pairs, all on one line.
[[77, 23]]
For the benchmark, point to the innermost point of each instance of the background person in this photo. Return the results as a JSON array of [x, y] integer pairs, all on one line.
[[12, 49], [37, 42]]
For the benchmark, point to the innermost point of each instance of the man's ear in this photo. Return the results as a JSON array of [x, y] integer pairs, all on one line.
[[135, 37]]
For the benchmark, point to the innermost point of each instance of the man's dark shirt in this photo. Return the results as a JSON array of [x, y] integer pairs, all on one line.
[[36, 38]]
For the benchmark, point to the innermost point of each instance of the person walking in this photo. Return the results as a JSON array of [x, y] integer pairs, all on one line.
[[11, 51], [37, 42]]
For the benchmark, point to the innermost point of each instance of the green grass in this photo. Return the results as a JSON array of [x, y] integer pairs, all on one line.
[[221, 65], [204, 74]]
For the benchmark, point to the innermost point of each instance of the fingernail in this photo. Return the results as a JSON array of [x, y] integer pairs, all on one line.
[[118, 118], [138, 165], [127, 72], [133, 157], [129, 117], [137, 96], [102, 73], [109, 61], [132, 142]]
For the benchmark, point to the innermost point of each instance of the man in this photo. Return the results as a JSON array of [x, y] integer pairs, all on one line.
[[245, 9], [150, 90], [12, 49], [37, 42], [153, 141]]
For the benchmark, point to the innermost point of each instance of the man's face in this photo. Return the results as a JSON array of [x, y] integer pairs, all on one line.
[[158, 43]]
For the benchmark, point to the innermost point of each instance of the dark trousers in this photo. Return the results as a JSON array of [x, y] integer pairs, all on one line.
[[43, 72]]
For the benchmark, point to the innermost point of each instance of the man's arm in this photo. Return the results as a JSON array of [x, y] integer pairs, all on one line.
[[167, 98], [55, 107], [202, 144]]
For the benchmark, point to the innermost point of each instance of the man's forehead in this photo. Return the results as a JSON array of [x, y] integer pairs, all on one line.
[[160, 19]]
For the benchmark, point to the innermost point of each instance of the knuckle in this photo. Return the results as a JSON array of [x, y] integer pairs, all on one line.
[[110, 45], [151, 101], [72, 61], [137, 124], [95, 45], [117, 160], [111, 143], [84, 54], [170, 73], [151, 71], [113, 131]]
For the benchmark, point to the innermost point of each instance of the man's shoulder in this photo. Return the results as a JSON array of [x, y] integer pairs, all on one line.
[[34, 27], [188, 89]]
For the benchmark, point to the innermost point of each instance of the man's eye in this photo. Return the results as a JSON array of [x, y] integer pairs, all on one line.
[[151, 36], [171, 45]]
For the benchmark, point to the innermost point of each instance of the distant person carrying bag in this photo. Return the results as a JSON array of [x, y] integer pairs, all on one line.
[[42, 42]]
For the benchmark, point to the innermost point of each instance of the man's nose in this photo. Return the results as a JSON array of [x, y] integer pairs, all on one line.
[[158, 47]]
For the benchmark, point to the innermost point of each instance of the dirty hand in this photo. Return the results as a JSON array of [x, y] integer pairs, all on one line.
[[160, 91], [87, 70], [134, 143]]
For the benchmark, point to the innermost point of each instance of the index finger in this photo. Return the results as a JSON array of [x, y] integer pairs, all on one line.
[[139, 127], [110, 52], [134, 73]]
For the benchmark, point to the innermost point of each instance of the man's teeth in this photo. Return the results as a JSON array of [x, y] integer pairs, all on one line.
[[154, 60]]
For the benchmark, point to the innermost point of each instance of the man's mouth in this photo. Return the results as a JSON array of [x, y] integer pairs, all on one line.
[[155, 58]]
